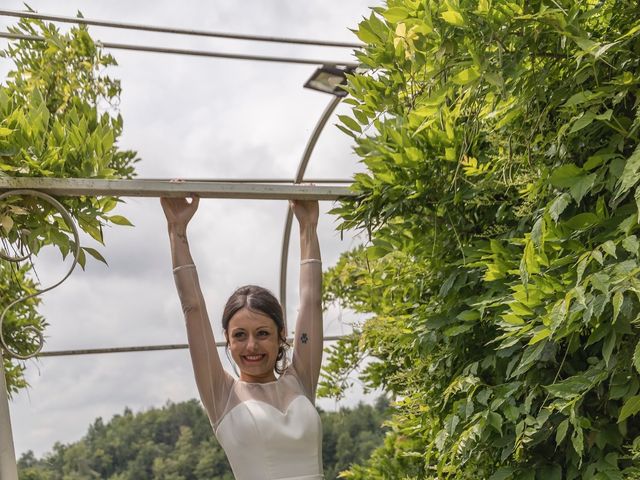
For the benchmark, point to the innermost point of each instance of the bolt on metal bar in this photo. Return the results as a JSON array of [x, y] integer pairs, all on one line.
[[75, 187], [180, 31], [143, 348], [196, 53]]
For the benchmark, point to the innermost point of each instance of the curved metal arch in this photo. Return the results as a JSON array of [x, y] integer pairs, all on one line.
[[76, 236], [311, 143]]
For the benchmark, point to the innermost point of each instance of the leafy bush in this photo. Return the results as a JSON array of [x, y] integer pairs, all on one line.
[[57, 119], [501, 199]]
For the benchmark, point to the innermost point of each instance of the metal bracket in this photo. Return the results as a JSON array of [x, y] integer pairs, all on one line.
[[74, 229]]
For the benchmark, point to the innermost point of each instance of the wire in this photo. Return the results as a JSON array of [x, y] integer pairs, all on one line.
[[197, 53], [179, 31]]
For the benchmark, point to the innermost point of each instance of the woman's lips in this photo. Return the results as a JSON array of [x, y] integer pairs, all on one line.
[[253, 358]]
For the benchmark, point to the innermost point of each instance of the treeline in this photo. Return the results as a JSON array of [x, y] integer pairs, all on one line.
[[176, 443]]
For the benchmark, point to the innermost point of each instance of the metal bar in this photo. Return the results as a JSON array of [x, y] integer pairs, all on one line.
[[306, 156], [144, 348], [75, 187], [285, 181], [197, 53], [180, 31], [8, 467]]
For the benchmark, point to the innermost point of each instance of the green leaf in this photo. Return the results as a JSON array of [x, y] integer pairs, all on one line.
[[565, 175], [350, 123], [469, 315], [95, 254], [120, 220], [631, 173], [466, 76], [558, 206], [454, 18], [582, 221], [4, 132], [458, 329], [610, 248], [577, 440], [608, 345], [582, 186], [541, 335], [618, 299], [7, 223], [395, 14], [503, 473], [578, 98], [631, 407], [495, 420], [570, 388], [636, 357], [366, 34], [537, 232], [530, 355], [583, 121], [561, 432], [631, 244]]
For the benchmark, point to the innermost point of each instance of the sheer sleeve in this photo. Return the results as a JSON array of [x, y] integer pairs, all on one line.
[[214, 383], [308, 341]]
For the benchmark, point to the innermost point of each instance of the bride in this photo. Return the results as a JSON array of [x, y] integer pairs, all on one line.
[[265, 420]]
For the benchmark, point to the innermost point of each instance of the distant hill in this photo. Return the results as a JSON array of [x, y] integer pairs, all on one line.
[[175, 442]]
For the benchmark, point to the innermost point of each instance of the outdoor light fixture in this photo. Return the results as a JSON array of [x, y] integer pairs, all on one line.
[[329, 79]]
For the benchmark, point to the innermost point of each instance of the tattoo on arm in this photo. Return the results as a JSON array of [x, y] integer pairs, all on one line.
[[304, 338]]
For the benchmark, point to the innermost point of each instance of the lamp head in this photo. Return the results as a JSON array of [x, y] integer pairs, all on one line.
[[329, 79]]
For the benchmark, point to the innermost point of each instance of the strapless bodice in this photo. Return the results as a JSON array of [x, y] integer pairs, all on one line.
[[264, 443]]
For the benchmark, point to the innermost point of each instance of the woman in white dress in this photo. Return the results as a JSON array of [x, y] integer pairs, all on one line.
[[266, 423]]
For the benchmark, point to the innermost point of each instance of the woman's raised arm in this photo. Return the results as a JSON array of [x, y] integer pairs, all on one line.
[[308, 342], [212, 380]]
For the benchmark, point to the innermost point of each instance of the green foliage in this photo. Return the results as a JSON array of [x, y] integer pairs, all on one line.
[[15, 283], [176, 443], [501, 198], [57, 119]]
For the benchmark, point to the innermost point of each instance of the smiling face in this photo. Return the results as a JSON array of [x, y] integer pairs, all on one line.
[[254, 341]]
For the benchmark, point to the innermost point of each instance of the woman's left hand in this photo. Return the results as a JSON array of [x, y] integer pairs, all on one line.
[[306, 211]]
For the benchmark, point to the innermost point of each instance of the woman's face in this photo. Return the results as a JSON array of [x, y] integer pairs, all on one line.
[[254, 342]]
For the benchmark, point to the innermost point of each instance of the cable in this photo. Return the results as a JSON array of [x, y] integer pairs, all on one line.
[[197, 53], [179, 31]]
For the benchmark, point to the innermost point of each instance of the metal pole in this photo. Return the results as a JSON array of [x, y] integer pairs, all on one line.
[[164, 188], [186, 51], [284, 256], [144, 348], [8, 466], [180, 31]]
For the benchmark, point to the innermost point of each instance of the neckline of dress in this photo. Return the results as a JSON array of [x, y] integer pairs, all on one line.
[[265, 383], [259, 383]]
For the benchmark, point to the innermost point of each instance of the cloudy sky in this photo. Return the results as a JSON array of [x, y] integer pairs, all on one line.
[[188, 118]]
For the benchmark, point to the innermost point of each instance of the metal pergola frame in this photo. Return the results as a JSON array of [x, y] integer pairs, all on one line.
[[167, 188], [263, 189], [173, 30]]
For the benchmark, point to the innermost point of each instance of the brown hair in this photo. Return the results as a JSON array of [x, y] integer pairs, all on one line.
[[259, 300]]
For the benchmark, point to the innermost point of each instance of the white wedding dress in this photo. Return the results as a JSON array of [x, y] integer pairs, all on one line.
[[269, 431], [272, 431]]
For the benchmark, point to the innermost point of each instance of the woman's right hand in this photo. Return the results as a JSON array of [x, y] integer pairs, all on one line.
[[179, 210]]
